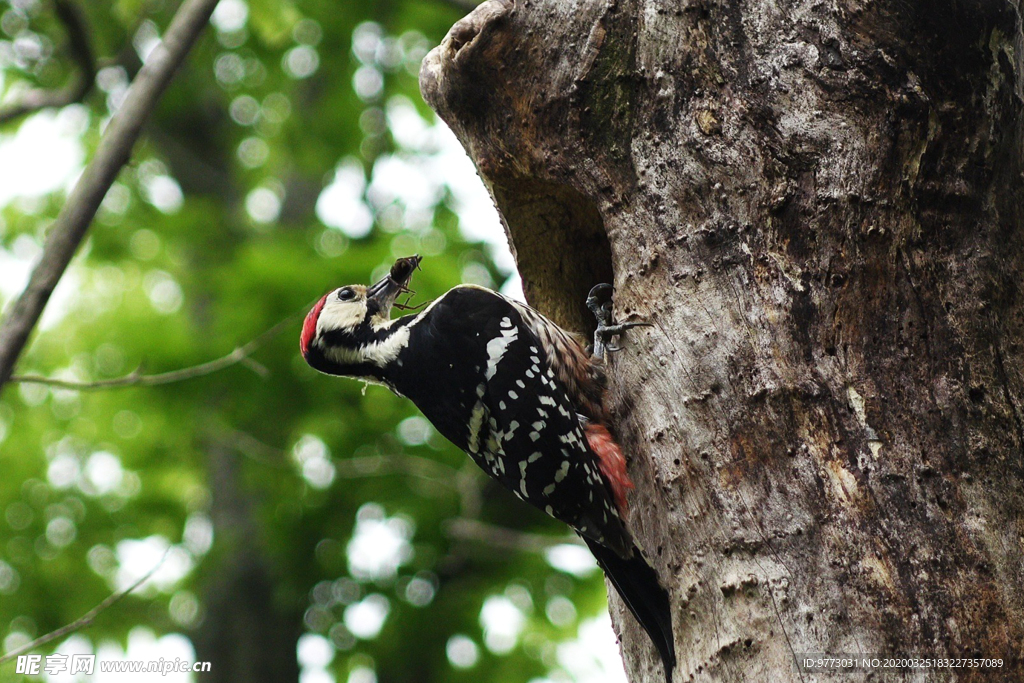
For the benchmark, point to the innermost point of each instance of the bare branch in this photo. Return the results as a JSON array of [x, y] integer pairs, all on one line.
[[86, 620], [113, 153], [501, 537], [413, 465], [462, 528], [255, 449], [81, 82], [352, 468], [136, 378]]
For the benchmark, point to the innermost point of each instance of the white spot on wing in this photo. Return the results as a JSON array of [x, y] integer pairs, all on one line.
[[476, 420], [496, 347]]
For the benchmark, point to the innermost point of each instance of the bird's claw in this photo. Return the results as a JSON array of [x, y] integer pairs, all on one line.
[[599, 301]]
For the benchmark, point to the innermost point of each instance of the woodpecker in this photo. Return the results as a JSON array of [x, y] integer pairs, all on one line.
[[523, 397]]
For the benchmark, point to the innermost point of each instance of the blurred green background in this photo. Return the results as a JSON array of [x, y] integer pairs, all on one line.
[[311, 528]]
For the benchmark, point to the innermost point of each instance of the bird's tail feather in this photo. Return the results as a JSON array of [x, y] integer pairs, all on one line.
[[643, 594]]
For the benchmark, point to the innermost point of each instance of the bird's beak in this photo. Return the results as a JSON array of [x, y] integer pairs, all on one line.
[[394, 283]]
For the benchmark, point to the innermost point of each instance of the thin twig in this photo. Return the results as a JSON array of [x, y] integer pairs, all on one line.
[[136, 378], [463, 528], [81, 82], [86, 620], [255, 449], [377, 465], [351, 468], [113, 153], [503, 537]]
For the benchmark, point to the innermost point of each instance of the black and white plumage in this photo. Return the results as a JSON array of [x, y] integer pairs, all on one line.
[[513, 390]]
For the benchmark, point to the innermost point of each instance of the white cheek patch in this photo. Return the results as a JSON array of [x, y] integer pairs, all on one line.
[[340, 316], [349, 316], [378, 353]]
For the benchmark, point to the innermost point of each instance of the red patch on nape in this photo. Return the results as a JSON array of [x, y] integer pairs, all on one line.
[[612, 464], [309, 325]]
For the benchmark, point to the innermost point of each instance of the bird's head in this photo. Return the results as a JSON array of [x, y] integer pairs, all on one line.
[[345, 324]]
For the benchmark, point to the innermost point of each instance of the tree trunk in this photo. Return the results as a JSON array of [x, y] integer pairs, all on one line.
[[249, 633], [817, 204]]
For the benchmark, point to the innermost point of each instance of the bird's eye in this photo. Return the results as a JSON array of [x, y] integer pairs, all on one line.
[[346, 294]]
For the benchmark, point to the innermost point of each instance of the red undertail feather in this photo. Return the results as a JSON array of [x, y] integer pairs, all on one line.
[[612, 464], [309, 325]]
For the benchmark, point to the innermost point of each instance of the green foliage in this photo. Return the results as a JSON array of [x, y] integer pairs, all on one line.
[[209, 239]]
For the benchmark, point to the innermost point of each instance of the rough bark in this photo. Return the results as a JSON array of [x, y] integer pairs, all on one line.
[[817, 203]]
